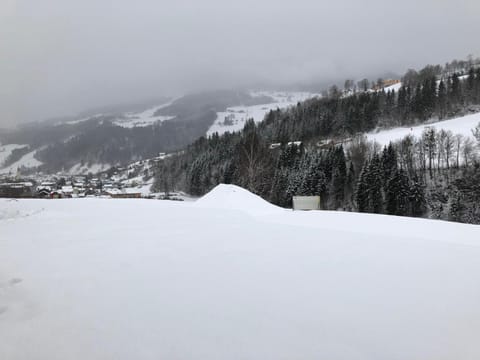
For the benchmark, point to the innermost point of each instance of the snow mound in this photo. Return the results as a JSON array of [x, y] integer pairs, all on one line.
[[233, 197]]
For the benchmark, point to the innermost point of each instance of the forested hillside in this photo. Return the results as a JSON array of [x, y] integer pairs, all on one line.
[[316, 148], [105, 139]]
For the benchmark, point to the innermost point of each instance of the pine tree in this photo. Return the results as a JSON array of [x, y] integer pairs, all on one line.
[[456, 89], [397, 194], [456, 207], [442, 100], [375, 183], [361, 193], [339, 176], [391, 189], [389, 162], [470, 85], [417, 198], [350, 185], [279, 190], [403, 194]]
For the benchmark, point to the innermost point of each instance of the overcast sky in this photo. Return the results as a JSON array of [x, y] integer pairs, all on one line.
[[58, 57]]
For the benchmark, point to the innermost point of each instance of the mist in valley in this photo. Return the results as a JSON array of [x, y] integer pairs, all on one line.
[[60, 58]]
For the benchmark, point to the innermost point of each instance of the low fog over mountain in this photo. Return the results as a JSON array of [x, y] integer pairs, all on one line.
[[62, 57]]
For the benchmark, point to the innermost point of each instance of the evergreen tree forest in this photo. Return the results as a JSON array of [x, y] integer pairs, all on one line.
[[318, 148]]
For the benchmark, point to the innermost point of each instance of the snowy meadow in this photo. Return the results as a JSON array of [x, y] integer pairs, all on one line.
[[232, 277]]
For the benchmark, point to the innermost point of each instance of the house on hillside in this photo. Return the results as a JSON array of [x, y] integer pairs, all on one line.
[[42, 192], [45, 188], [274, 146], [330, 143], [385, 83], [56, 194], [67, 191]]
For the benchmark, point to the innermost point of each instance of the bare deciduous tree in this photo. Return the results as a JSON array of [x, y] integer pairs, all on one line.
[[468, 151], [458, 148], [448, 147]]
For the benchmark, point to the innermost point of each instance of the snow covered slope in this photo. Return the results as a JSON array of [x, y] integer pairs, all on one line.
[[128, 119], [143, 279], [144, 118], [234, 197], [28, 160], [6, 151], [461, 125], [235, 117], [84, 169]]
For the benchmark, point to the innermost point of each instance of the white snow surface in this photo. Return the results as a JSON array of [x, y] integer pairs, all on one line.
[[130, 119], [144, 118], [28, 160], [461, 125], [88, 168], [145, 279], [72, 122], [236, 198], [394, 87], [6, 151], [238, 115]]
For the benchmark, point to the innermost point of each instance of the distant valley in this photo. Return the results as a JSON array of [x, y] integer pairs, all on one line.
[[96, 140]]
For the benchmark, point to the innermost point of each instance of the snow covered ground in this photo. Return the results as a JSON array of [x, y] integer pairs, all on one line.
[[219, 279], [461, 125], [130, 119], [235, 117], [82, 119], [144, 118], [6, 151], [28, 160], [80, 169], [394, 87]]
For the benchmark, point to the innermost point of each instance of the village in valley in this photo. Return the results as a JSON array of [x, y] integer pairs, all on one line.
[[130, 182], [133, 181]]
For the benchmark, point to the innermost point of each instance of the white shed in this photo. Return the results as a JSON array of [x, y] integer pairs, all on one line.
[[306, 203]]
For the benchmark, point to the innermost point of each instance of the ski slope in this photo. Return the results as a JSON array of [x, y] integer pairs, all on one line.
[[129, 119], [144, 118], [234, 118], [461, 125], [28, 161], [79, 169], [6, 150], [143, 279]]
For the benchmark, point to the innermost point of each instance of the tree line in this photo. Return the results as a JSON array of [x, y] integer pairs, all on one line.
[[413, 177]]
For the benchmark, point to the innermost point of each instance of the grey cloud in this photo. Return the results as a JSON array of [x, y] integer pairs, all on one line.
[[59, 57]]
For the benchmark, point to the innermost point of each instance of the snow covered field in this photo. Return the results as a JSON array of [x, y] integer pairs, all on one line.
[[232, 277], [130, 119], [235, 117], [461, 125], [144, 118], [28, 160], [88, 168], [6, 151]]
